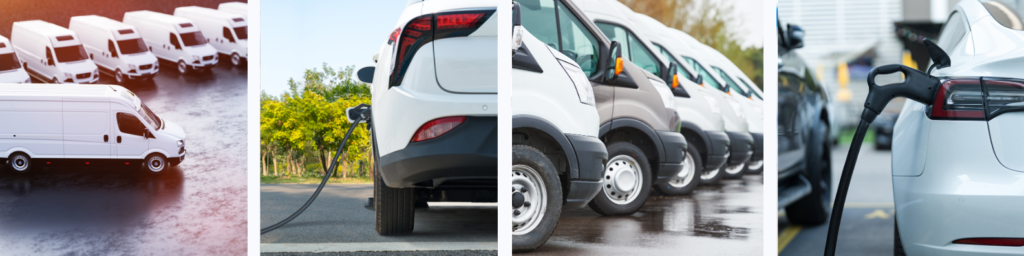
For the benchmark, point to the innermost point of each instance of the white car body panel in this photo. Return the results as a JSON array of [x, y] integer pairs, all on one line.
[[156, 28], [551, 95], [17, 75], [96, 32], [212, 22], [31, 39]]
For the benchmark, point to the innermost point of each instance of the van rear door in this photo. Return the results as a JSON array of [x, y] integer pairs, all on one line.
[[86, 130]]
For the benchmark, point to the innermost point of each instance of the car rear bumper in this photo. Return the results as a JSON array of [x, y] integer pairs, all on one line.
[[591, 155], [741, 147], [669, 166], [467, 152]]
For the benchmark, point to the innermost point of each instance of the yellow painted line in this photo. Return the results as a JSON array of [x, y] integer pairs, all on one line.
[[787, 235], [867, 205]]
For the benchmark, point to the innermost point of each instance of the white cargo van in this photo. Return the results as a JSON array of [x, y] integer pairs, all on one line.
[[173, 39], [84, 124], [227, 32], [52, 53], [10, 66], [236, 8], [115, 47]]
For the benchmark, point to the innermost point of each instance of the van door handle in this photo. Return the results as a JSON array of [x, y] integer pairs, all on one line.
[[118, 139], [105, 138]]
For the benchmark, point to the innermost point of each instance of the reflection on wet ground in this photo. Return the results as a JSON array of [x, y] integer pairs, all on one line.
[[196, 208], [714, 220]]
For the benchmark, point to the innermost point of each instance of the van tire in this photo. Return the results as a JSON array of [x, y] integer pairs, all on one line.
[[119, 76], [734, 176], [19, 163], [54, 80], [550, 192], [236, 59], [714, 179], [182, 67], [602, 203], [694, 159], [155, 163]]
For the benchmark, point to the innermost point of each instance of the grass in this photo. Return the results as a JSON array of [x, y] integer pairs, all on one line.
[[313, 180], [846, 136]]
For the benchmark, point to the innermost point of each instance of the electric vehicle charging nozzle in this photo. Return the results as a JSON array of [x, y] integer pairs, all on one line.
[[917, 86], [359, 113]]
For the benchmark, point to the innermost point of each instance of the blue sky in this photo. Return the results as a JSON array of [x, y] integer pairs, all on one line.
[[300, 35]]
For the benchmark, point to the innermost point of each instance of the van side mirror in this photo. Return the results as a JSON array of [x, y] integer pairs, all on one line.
[[615, 61], [672, 75], [699, 80], [148, 135], [91, 57], [230, 39], [49, 61], [517, 28], [795, 36], [366, 74]]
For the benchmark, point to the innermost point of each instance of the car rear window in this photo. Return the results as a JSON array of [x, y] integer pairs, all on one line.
[[1006, 12]]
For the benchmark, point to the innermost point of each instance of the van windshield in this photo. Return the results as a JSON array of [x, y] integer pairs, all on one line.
[[728, 80], [149, 116], [9, 62], [242, 33], [71, 53], [132, 46], [193, 39]]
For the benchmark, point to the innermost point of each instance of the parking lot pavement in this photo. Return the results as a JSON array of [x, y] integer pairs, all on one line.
[[868, 220], [196, 208], [337, 221], [715, 220]]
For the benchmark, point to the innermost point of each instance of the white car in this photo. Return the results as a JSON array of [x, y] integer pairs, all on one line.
[[116, 48], [11, 70], [434, 119], [957, 165], [174, 39], [84, 125], [52, 53], [227, 32]]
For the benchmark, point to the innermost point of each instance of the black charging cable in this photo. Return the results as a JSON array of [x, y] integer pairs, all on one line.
[[917, 86], [356, 115]]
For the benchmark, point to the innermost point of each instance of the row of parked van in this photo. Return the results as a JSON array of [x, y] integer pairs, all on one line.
[[608, 104], [192, 39]]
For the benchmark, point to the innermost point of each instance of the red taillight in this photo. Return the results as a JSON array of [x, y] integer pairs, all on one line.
[[461, 20], [959, 99], [394, 36], [992, 241], [437, 127]]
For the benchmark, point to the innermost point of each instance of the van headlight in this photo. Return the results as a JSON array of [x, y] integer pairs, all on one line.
[[195, 57], [181, 143], [666, 94], [583, 88], [68, 75], [131, 66]]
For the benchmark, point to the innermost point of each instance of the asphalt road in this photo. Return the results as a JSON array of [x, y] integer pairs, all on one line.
[[196, 208], [868, 221], [715, 220], [337, 221]]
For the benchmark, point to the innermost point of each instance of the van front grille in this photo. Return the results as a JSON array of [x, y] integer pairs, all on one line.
[[208, 57], [84, 75], [146, 67]]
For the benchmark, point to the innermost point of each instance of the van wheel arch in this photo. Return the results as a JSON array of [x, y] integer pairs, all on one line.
[[164, 163], [638, 138]]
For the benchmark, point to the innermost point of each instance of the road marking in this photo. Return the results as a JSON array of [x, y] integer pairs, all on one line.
[[867, 205], [377, 247], [787, 235], [878, 213]]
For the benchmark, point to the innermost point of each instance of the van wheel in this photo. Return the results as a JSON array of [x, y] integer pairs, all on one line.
[[156, 163], [536, 198], [54, 80], [713, 176], [735, 171], [20, 163], [119, 76], [755, 167], [235, 59], [626, 182], [681, 185], [182, 67]]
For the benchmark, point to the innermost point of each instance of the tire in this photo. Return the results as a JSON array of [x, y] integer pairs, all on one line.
[[155, 163], [755, 167], [897, 244], [685, 185], [54, 80], [182, 67], [236, 60], [734, 172], [394, 208], [533, 177], [119, 76], [813, 208], [627, 168], [712, 177], [19, 163]]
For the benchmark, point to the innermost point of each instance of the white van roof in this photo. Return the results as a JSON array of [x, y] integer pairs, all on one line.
[[234, 7], [58, 36], [182, 25], [76, 91], [234, 20], [120, 30]]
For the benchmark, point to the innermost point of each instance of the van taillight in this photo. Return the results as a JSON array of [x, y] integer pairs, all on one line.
[[426, 28], [977, 99], [992, 241], [437, 127]]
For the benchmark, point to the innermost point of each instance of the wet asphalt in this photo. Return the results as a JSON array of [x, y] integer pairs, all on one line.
[[714, 220], [338, 217], [868, 217], [196, 208]]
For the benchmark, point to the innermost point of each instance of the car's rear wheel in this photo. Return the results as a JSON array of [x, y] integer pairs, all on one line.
[[687, 181], [394, 208], [536, 198], [813, 209], [20, 163], [626, 182]]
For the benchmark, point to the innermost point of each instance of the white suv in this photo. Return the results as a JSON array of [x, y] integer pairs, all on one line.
[[434, 118]]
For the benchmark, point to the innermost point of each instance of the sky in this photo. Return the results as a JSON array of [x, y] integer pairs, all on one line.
[[300, 35]]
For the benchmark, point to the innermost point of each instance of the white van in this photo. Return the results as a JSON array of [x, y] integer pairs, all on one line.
[[10, 66], [236, 8], [84, 124], [227, 32], [173, 39], [52, 53], [115, 47]]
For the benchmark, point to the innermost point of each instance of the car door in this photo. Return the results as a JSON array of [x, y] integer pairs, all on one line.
[[86, 130], [130, 142]]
